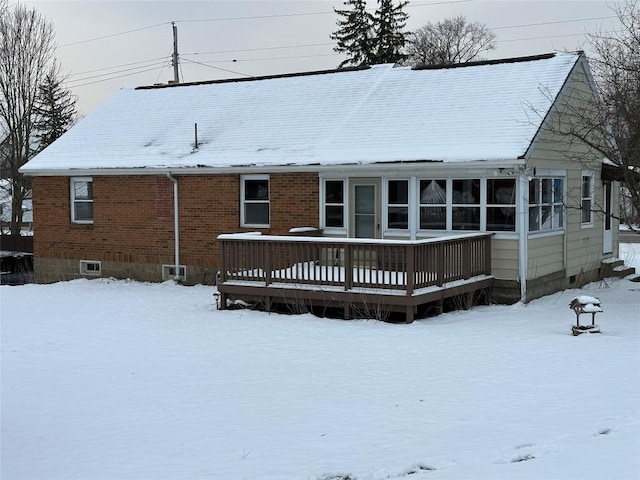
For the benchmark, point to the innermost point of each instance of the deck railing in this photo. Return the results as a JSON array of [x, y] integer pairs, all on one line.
[[348, 263]]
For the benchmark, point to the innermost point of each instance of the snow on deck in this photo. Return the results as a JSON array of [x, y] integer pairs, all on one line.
[[380, 114]]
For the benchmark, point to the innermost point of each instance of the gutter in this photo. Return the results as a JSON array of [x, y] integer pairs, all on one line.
[[176, 225]]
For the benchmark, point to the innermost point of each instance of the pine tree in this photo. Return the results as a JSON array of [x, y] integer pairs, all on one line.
[[55, 109], [355, 34], [390, 21]]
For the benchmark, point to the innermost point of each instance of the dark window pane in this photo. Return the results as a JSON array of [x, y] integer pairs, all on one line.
[[501, 191], [466, 218], [558, 216], [466, 192], [558, 190], [586, 211], [83, 190], [534, 219], [256, 190], [398, 217], [433, 218], [547, 190], [398, 192], [433, 192], [256, 213], [334, 216], [501, 219], [334, 192], [534, 191], [83, 211], [546, 221], [586, 186]]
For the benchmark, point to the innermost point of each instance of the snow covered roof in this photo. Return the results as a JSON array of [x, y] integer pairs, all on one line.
[[380, 114]]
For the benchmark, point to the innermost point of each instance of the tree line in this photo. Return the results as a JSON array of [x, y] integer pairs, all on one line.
[[611, 128], [35, 109]]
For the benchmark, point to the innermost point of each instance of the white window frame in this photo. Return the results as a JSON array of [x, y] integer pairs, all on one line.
[[552, 204], [244, 202], [387, 204], [590, 198], [325, 204], [169, 272], [73, 200], [91, 268]]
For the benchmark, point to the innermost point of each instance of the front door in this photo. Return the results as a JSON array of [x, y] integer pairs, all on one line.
[[607, 238], [365, 216]]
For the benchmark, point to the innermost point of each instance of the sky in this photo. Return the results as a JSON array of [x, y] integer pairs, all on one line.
[[107, 45]]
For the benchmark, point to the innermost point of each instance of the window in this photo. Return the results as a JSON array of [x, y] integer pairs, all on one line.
[[255, 201], [90, 267], [82, 200], [587, 197], [501, 205], [169, 272], [334, 203], [466, 204], [546, 210], [433, 204], [398, 204]]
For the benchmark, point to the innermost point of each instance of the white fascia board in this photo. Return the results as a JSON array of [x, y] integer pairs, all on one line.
[[368, 169]]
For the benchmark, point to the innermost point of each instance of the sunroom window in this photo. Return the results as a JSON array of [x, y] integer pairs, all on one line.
[[82, 200], [546, 209], [433, 204], [398, 204], [501, 205], [255, 201], [466, 204]]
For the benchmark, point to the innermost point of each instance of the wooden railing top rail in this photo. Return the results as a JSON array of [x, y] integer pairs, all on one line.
[[359, 241]]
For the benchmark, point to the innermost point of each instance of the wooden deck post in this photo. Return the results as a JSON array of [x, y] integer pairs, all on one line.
[[411, 269], [348, 267], [222, 274]]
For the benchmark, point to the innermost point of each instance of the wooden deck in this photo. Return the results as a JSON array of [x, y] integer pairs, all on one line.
[[363, 277]]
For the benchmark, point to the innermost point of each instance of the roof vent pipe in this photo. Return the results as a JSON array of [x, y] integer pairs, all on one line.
[[195, 133]]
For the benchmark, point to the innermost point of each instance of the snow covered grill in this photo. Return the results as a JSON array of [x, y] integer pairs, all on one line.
[[352, 273]]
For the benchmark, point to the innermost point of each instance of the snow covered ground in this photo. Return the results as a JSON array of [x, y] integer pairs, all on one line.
[[121, 380]]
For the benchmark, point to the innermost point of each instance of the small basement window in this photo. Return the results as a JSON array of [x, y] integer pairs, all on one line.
[[90, 267], [169, 272]]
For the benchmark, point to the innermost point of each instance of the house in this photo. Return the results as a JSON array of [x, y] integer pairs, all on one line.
[[143, 186]]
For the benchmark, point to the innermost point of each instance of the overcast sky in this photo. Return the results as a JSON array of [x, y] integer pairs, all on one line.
[[108, 45]]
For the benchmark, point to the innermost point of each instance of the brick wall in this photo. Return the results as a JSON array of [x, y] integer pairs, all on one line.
[[133, 219]]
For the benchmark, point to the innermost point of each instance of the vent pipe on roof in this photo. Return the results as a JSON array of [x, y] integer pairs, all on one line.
[[195, 133]]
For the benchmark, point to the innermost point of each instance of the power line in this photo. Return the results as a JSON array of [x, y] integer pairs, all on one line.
[[118, 71], [545, 37], [118, 66], [113, 78], [261, 48], [552, 23], [217, 68], [112, 35]]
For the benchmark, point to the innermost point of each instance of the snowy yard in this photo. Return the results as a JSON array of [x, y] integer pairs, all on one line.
[[120, 380]]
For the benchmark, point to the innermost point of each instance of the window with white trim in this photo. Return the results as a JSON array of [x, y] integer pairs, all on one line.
[[546, 209], [501, 205], [466, 204], [82, 200], [334, 203], [586, 202], [433, 204], [90, 267], [255, 201], [398, 204]]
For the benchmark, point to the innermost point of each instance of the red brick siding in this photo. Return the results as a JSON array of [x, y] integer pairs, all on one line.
[[133, 216]]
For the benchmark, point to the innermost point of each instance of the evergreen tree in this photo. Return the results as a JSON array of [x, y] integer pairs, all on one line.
[[355, 34], [390, 21], [55, 109]]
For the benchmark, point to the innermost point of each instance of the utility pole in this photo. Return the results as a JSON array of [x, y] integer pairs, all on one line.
[[174, 61]]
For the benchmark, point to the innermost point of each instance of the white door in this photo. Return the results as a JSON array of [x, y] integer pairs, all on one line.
[[607, 238]]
